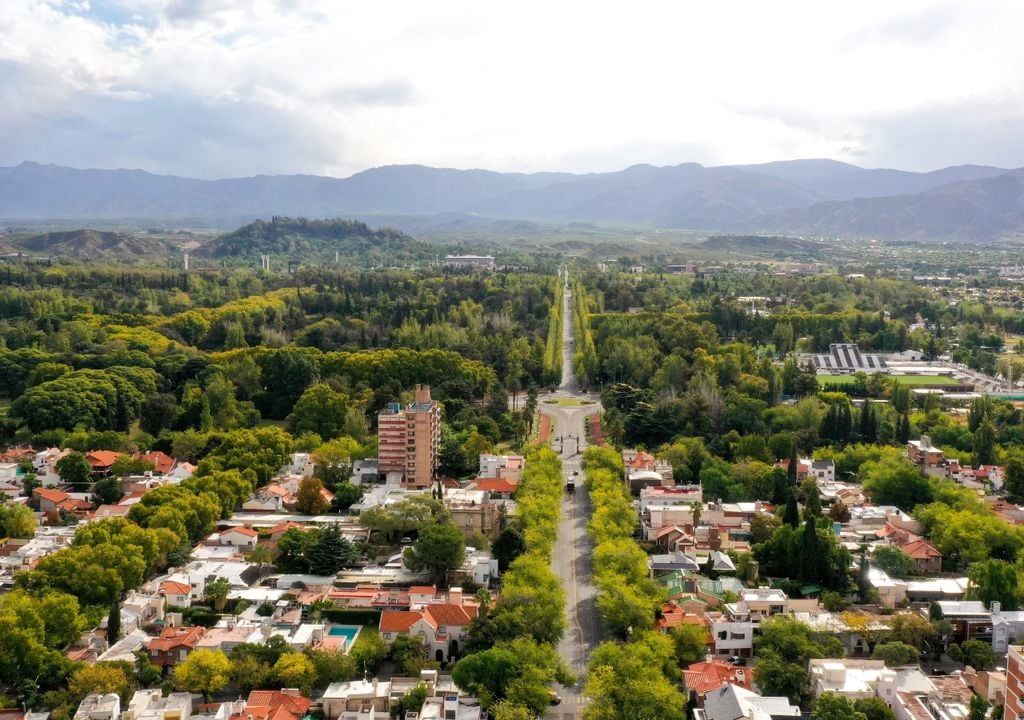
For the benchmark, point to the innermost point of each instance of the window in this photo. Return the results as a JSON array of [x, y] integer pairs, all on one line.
[[723, 635]]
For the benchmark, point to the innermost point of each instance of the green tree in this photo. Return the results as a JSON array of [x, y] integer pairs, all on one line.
[[1013, 481], [329, 550], [346, 495], [874, 708], [440, 547], [690, 642], [984, 444], [995, 580], [295, 670], [895, 482], [976, 653], [249, 673], [73, 468], [99, 678], [895, 562], [896, 653], [833, 706], [978, 708], [321, 410], [791, 515], [216, 592], [17, 521], [509, 545], [310, 499], [203, 671]]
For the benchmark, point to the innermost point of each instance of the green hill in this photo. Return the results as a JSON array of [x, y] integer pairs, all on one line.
[[305, 240]]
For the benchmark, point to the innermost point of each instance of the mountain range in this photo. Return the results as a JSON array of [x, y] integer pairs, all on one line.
[[808, 197]]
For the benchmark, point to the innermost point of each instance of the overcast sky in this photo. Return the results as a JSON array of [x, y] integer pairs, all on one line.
[[220, 88]]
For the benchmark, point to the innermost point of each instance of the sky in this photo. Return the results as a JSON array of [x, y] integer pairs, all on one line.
[[229, 88]]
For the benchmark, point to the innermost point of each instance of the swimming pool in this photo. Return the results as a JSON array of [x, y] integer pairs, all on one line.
[[348, 632]]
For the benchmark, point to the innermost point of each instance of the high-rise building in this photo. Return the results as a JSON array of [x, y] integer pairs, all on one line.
[[1014, 708], [408, 439]]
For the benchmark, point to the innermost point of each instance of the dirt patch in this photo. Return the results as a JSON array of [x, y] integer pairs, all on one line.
[[545, 428], [596, 431]]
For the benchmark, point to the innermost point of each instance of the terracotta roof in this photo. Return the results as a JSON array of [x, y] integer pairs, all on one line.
[[920, 550], [668, 529], [498, 485], [279, 490], [175, 637], [111, 511], [54, 496], [398, 620], [172, 587], [703, 677], [448, 614], [162, 462], [243, 530], [422, 590], [285, 526], [102, 458], [273, 705]]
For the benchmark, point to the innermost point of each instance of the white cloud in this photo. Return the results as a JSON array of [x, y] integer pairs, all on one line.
[[230, 87]]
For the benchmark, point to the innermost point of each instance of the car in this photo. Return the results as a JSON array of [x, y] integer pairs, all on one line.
[[554, 698], [737, 660]]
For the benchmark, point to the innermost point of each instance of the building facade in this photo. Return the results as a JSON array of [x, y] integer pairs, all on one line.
[[409, 439]]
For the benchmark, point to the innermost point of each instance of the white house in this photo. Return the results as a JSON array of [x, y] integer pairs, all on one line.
[[239, 537]]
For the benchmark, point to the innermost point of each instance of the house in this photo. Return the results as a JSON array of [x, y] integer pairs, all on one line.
[[287, 704], [922, 452], [8, 472], [57, 501], [173, 645], [473, 512], [442, 626], [733, 702], [357, 698], [500, 488], [109, 511], [644, 470], [731, 638], [970, 618], [700, 678], [178, 594], [823, 470], [673, 538], [281, 528], [99, 707], [269, 498], [162, 462], [101, 462], [501, 467], [239, 537], [925, 555], [152, 705], [853, 679]]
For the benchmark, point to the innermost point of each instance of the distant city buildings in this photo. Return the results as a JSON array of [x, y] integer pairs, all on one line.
[[473, 262]]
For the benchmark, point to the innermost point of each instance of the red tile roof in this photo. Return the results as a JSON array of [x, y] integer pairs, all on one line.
[[102, 458], [273, 705], [162, 462], [398, 620], [703, 677], [175, 637], [921, 550], [285, 526], [54, 496], [498, 485], [171, 587], [448, 614], [242, 530]]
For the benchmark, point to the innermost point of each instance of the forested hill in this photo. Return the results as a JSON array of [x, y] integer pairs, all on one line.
[[91, 245], [304, 239]]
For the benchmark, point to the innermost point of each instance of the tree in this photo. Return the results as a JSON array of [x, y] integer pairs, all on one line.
[[785, 647], [310, 499], [812, 505], [690, 642], [995, 581], [203, 671], [976, 653], [262, 556], [75, 469], [810, 559], [412, 701], [833, 706], [99, 678], [896, 653], [1013, 482], [978, 708], [295, 670], [984, 444], [127, 465], [114, 623], [329, 550], [331, 666], [292, 547], [895, 482], [108, 490], [874, 708], [408, 653], [509, 545], [791, 515], [440, 547], [346, 495], [249, 672], [17, 521], [158, 412], [216, 592], [911, 629], [763, 526], [320, 410], [895, 562]]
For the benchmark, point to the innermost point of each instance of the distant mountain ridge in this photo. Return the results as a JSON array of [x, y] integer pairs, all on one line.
[[91, 245], [814, 196]]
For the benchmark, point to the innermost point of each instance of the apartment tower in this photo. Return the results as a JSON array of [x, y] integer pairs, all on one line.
[[408, 439]]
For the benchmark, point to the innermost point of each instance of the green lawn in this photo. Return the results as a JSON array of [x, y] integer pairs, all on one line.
[[902, 379], [569, 402]]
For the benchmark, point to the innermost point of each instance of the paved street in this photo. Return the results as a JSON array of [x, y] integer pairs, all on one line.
[[573, 554]]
